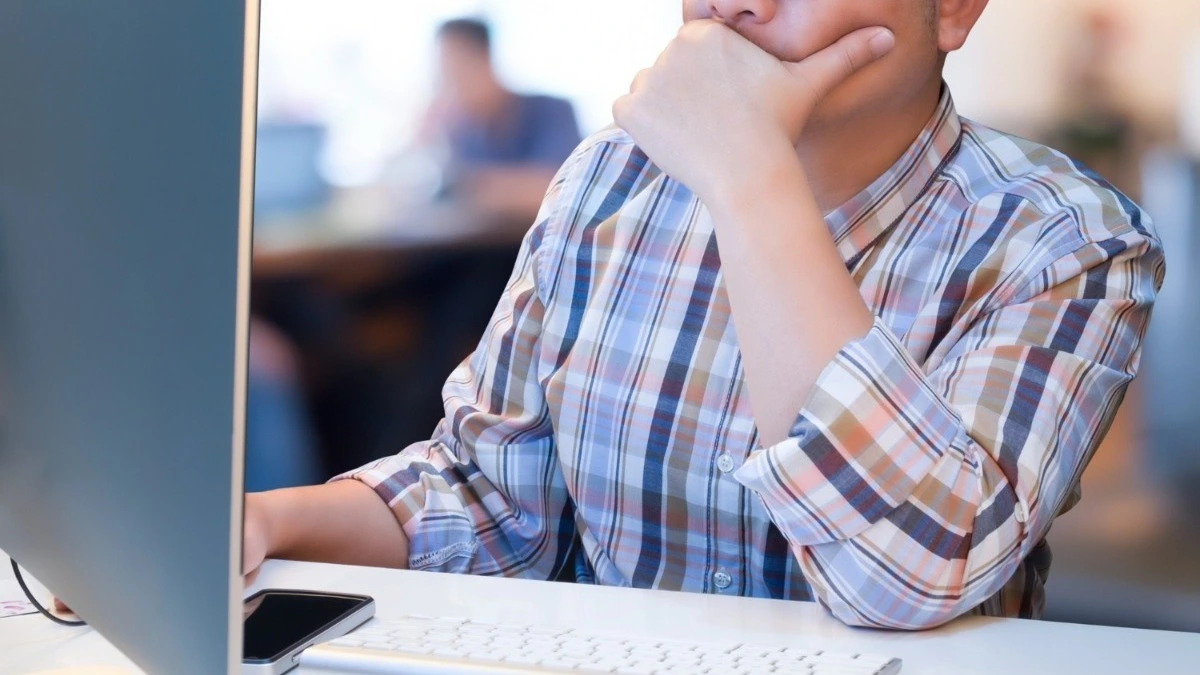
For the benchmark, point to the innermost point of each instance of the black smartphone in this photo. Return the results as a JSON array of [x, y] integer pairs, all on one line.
[[280, 624]]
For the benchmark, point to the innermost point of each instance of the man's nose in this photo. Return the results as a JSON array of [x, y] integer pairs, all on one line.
[[734, 12]]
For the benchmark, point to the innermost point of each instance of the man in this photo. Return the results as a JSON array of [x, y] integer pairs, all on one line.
[[795, 330]]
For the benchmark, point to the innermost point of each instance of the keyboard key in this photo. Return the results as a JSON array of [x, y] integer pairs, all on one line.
[[561, 664], [751, 651], [521, 659], [684, 669], [761, 664], [678, 645], [641, 642], [414, 649]]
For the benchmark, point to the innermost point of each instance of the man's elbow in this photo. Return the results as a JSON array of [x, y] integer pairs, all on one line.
[[896, 616]]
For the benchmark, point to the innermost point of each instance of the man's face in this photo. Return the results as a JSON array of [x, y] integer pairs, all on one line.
[[792, 30]]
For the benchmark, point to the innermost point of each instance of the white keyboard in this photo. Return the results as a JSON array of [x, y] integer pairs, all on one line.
[[424, 645]]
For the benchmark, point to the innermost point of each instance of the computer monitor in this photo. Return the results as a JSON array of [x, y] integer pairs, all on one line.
[[126, 153]]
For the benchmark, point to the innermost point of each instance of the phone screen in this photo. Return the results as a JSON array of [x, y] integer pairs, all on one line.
[[275, 622]]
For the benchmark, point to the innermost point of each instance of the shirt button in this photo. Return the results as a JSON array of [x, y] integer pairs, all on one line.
[[725, 463], [722, 580], [1019, 512]]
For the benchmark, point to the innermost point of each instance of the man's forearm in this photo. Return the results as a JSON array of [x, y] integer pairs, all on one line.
[[343, 522], [794, 305]]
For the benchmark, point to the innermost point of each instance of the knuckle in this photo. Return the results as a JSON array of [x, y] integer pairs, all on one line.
[[640, 79], [622, 109]]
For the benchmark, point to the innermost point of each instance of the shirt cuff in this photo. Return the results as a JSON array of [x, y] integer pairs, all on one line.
[[869, 434], [440, 533]]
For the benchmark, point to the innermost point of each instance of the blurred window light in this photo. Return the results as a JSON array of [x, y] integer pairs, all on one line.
[[364, 68]]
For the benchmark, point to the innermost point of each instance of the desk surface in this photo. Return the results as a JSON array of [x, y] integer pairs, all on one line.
[[970, 646], [364, 227]]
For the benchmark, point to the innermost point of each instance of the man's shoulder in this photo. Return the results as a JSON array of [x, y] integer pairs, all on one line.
[[994, 168], [604, 172]]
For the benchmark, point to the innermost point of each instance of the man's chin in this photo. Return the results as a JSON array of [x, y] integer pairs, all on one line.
[[846, 104]]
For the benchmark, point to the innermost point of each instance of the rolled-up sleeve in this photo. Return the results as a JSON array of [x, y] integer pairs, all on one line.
[[485, 495], [910, 493]]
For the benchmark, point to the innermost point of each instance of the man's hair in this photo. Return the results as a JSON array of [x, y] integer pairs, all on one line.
[[473, 32]]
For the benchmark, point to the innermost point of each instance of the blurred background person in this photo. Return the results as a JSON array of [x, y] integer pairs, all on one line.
[[501, 147]]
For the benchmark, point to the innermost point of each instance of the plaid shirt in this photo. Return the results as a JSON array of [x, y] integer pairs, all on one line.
[[603, 423]]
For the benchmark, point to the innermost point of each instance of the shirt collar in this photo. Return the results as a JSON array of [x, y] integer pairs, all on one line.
[[860, 221]]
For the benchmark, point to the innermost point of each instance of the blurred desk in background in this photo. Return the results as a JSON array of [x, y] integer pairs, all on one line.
[[366, 225], [381, 300]]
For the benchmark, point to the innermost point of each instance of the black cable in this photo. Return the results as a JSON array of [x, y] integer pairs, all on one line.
[[29, 594]]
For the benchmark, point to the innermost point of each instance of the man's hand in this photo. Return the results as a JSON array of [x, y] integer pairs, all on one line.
[[714, 105]]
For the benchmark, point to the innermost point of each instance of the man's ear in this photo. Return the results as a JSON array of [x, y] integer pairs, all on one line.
[[955, 19]]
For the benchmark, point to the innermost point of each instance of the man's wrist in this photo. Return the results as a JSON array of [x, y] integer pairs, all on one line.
[[264, 506], [768, 174]]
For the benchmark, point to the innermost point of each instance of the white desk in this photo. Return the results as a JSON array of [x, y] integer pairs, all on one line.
[[971, 646]]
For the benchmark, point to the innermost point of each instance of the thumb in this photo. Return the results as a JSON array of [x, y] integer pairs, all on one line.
[[826, 69]]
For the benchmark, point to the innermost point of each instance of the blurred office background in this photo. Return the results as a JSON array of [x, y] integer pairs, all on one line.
[[395, 169]]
